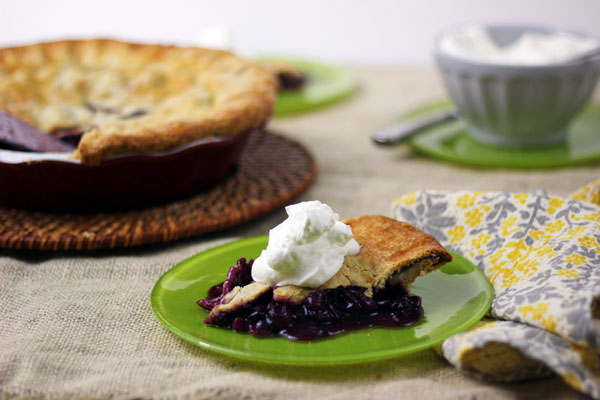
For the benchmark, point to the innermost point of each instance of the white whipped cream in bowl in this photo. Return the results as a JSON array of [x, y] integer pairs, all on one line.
[[306, 249], [476, 43], [517, 86]]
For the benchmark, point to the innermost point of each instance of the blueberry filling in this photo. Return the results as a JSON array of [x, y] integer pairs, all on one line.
[[70, 136], [324, 312], [289, 81], [16, 134]]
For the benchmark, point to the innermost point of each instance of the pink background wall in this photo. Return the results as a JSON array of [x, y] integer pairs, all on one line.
[[380, 32]]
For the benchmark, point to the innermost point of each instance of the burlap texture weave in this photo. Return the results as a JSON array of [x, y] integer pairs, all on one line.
[[81, 325]]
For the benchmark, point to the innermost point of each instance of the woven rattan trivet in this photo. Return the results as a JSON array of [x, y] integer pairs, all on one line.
[[272, 171]]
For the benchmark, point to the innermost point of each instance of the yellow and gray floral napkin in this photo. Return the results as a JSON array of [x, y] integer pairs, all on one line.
[[542, 255]]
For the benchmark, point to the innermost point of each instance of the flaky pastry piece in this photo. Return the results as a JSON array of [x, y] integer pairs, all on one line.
[[133, 98], [390, 250]]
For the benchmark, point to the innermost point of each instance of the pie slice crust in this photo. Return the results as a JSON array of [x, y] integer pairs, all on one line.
[[392, 253]]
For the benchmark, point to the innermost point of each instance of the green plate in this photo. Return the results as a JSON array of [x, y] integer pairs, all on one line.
[[454, 298], [450, 142], [326, 84]]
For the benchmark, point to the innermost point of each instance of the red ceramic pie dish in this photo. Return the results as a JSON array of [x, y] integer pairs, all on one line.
[[55, 182]]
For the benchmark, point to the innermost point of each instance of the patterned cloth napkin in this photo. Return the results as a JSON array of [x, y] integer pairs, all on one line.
[[542, 255]]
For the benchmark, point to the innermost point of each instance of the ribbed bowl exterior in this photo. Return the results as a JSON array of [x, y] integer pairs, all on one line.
[[517, 106]]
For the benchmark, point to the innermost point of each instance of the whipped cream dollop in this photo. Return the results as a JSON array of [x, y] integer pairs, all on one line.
[[306, 249], [475, 43]]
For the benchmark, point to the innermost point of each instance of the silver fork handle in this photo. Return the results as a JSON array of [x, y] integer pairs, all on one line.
[[399, 132]]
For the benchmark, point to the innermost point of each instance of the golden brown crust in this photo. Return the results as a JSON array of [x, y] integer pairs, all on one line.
[[388, 248], [240, 296], [179, 94]]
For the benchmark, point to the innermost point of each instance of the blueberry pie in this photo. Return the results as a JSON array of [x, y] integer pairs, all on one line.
[[132, 98], [370, 289]]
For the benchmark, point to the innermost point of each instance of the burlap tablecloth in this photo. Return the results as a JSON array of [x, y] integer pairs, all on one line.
[[81, 325]]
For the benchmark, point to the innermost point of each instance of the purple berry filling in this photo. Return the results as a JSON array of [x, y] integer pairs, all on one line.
[[325, 312], [70, 136], [291, 82]]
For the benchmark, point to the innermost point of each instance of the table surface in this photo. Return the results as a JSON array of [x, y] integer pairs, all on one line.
[[81, 325]]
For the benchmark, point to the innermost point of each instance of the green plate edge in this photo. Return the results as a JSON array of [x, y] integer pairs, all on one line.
[[450, 142], [317, 353], [327, 84]]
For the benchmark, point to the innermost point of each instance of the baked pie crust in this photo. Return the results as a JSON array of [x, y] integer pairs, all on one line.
[[133, 98]]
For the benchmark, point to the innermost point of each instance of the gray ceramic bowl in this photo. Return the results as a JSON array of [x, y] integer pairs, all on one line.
[[514, 105]]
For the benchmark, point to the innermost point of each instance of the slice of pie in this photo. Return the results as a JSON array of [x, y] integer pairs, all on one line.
[[288, 75], [371, 288], [133, 98]]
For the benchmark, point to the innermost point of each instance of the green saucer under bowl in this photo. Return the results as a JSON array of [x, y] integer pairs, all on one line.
[[451, 142], [326, 84]]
